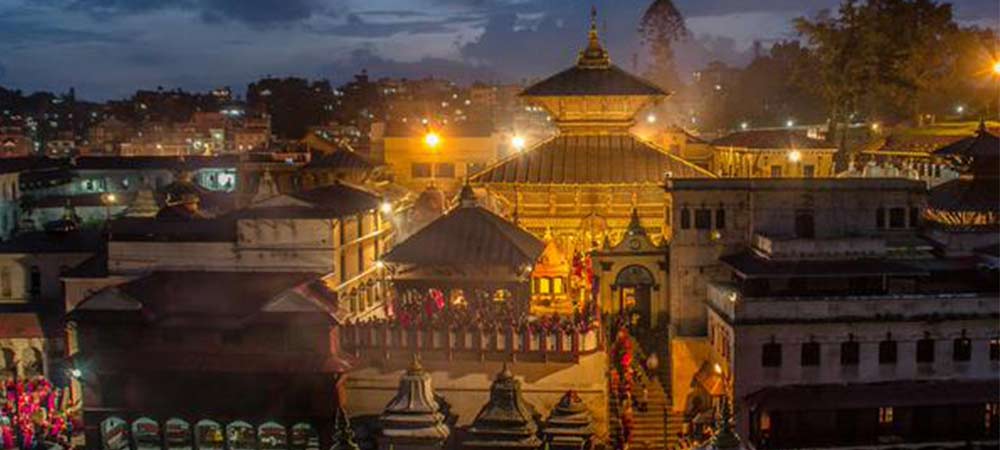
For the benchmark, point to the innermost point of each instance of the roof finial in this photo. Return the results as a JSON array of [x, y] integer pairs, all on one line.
[[594, 56]]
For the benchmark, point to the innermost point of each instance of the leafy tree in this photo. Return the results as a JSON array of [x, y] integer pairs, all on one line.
[[662, 25]]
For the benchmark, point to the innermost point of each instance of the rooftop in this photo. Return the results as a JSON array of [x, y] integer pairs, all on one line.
[[773, 140], [590, 159], [80, 241]]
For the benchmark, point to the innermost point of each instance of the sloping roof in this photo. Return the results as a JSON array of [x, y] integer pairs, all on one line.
[[336, 200], [468, 235], [339, 159], [219, 294], [220, 229], [190, 162], [576, 81], [983, 145], [772, 139], [81, 241], [590, 159], [965, 195]]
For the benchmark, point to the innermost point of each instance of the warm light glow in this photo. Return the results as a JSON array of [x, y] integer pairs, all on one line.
[[379, 264], [718, 368], [959, 109], [518, 142], [744, 126], [110, 198], [790, 123], [76, 373], [794, 156], [996, 68], [651, 118], [432, 140], [386, 207], [875, 126]]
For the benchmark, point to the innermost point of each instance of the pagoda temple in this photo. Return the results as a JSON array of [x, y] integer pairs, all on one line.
[[412, 420], [584, 182], [569, 426], [506, 421], [961, 210]]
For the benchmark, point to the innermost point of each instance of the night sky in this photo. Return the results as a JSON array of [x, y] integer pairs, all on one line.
[[109, 48]]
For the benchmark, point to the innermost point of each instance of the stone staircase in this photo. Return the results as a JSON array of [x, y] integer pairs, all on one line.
[[651, 427]]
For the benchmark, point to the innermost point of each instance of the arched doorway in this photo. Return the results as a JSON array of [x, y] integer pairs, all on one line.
[[634, 285]]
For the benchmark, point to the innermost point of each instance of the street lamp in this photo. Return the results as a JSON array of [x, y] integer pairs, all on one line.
[[959, 109], [651, 118], [432, 140], [790, 123], [518, 143], [109, 199], [794, 156], [744, 126], [385, 207], [996, 68]]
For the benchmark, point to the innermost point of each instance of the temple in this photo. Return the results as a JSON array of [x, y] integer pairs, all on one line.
[[413, 419], [506, 421], [583, 183]]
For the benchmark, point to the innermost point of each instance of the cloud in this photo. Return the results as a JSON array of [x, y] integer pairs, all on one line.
[[253, 12], [377, 66], [356, 26]]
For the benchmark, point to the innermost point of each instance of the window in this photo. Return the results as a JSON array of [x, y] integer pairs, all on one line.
[[771, 355], [444, 170], [805, 225], [36, 281], [720, 219], [887, 351], [775, 171], [557, 285], [925, 350], [543, 286], [885, 416], [5, 287], [810, 354], [702, 219], [995, 349], [880, 218], [685, 218], [850, 353], [962, 349], [914, 217], [897, 218], [809, 171], [420, 170]]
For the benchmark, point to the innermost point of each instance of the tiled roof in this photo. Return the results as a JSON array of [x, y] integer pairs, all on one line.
[[772, 139], [339, 159], [577, 81], [335, 200], [983, 145], [964, 195], [191, 162], [81, 241], [590, 159], [220, 294], [468, 235], [221, 229]]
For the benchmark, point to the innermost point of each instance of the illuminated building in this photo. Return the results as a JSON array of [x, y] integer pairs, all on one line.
[[584, 182], [772, 154]]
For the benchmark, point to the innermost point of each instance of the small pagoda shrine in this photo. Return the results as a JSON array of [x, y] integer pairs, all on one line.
[[507, 421], [965, 212], [550, 289], [413, 420], [570, 425]]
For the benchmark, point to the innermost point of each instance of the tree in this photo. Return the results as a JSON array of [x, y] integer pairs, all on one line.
[[662, 25]]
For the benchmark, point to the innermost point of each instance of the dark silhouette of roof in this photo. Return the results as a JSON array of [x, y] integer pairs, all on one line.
[[982, 145], [77, 241], [339, 159], [190, 162], [336, 200], [771, 139], [468, 235], [965, 195], [590, 159], [218, 229], [749, 265]]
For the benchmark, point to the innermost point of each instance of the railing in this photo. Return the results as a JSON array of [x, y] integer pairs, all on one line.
[[474, 341]]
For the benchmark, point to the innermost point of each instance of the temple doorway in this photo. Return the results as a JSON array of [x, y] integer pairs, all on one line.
[[635, 284]]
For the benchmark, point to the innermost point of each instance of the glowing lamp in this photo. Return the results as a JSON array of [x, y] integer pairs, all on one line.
[[385, 207], [432, 140], [744, 126], [379, 264], [790, 123], [518, 142], [959, 109], [996, 68], [76, 373], [651, 118], [794, 156]]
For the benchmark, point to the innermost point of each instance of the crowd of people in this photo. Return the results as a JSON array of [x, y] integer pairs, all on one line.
[[432, 310], [34, 415]]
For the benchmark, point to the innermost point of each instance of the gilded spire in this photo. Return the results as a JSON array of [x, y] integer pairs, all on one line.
[[594, 56]]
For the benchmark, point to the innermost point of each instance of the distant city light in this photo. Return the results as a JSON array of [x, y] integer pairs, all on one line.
[[424, 121], [959, 109], [432, 140], [651, 118], [518, 142], [876, 126], [744, 126], [790, 123], [794, 156]]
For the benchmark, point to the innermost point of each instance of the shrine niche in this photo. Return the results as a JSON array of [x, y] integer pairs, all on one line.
[[177, 434], [146, 433], [551, 292], [272, 436], [208, 435], [114, 434], [240, 436], [304, 437]]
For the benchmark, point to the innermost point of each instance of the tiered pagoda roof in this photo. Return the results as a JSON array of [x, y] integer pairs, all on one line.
[[972, 200], [506, 421], [468, 235], [413, 415], [570, 425]]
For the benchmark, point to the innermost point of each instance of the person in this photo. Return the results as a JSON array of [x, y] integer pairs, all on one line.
[[644, 403]]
